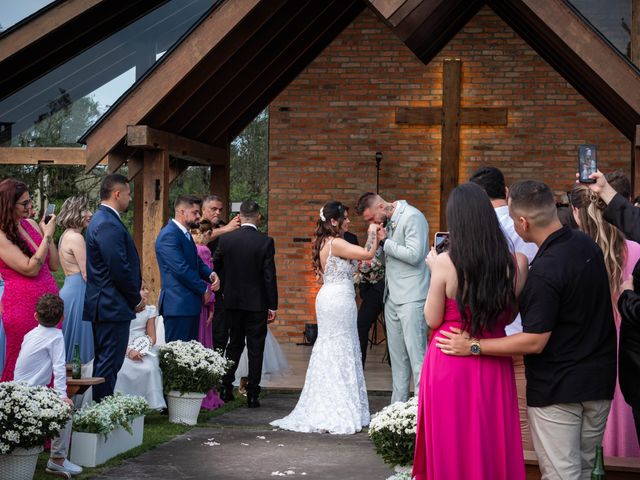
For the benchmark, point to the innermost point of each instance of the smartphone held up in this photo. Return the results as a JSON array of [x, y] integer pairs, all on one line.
[[441, 242], [51, 209], [587, 163]]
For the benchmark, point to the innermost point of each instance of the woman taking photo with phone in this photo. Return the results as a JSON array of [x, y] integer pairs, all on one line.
[[27, 256], [468, 422], [74, 217]]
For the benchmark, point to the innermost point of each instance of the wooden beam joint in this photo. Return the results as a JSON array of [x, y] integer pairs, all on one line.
[[148, 138]]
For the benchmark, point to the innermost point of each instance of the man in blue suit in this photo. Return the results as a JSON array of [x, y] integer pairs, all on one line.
[[113, 282], [182, 272]]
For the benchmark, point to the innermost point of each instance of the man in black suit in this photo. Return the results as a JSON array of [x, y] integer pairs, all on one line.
[[113, 282], [245, 261]]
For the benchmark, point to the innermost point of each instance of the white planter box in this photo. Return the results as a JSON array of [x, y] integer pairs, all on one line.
[[91, 449]]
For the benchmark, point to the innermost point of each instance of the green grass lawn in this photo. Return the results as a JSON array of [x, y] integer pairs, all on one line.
[[157, 430]]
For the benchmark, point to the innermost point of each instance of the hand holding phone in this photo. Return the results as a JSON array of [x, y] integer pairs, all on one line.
[[587, 163], [51, 209]]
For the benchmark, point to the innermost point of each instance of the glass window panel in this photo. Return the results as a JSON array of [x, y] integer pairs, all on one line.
[[612, 18], [12, 12], [59, 107]]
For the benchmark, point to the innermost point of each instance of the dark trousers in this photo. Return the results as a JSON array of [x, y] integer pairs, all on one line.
[[636, 418], [370, 308], [220, 325], [251, 326], [183, 328], [110, 340]]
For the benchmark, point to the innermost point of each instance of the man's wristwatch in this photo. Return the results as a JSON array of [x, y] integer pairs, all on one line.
[[381, 243], [475, 346]]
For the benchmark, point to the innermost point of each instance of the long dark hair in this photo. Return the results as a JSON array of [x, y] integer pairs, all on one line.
[[10, 191], [479, 251], [330, 211]]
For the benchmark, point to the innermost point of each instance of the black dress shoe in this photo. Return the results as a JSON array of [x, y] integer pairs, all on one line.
[[226, 394], [252, 402]]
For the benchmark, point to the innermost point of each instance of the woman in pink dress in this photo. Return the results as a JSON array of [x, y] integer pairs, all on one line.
[[620, 256], [27, 254], [202, 236], [468, 422]]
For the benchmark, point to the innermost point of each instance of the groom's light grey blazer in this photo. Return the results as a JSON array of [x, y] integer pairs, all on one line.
[[407, 275]]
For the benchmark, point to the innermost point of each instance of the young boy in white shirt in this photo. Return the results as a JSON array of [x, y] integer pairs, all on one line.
[[41, 355]]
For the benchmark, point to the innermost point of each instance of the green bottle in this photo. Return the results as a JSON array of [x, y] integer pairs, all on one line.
[[76, 364], [598, 472]]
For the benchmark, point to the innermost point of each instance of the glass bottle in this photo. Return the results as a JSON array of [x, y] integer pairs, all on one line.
[[598, 472], [76, 363]]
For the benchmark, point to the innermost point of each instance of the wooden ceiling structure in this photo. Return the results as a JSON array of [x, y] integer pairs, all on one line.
[[243, 53]]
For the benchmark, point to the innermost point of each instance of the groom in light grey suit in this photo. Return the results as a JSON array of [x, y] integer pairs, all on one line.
[[405, 245]]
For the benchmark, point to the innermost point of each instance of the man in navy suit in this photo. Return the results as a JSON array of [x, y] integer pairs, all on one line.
[[113, 282], [182, 273], [245, 260]]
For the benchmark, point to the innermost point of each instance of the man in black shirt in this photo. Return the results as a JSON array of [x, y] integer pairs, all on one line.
[[568, 339]]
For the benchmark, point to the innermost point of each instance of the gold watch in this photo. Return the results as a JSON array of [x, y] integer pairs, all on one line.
[[475, 346]]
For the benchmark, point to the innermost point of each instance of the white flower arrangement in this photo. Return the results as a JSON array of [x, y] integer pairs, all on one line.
[[393, 432], [191, 367], [112, 412], [29, 415]]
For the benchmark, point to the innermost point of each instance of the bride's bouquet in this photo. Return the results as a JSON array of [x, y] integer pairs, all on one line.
[[371, 271]]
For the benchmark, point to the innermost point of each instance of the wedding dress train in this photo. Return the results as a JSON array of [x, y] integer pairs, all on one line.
[[334, 396]]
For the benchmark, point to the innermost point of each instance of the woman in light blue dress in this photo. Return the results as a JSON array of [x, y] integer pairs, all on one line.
[[74, 217]]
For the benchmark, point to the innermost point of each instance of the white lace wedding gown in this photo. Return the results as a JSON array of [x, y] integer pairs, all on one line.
[[334, 396]]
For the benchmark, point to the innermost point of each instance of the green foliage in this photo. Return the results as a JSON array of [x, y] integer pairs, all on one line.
[[250, 165]]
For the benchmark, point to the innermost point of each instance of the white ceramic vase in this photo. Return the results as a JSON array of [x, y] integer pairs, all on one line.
[[184, 407]]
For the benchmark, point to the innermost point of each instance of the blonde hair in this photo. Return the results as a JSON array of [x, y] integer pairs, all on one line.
[[72, 213], [610, 240]]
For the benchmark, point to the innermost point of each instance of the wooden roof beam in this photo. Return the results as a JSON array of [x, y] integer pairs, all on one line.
[[287, 31], [294, 54], [426, 26], [65, 156], [147, 138], [585, 59], [161, 80], [43, 25]]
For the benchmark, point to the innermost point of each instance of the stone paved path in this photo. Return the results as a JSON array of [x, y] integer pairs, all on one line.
[[250, 449]]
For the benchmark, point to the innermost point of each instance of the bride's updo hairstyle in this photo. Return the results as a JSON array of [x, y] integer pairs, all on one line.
[[325, 229]]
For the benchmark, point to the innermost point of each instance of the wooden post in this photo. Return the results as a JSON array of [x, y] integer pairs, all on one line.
[[450, 145], [154, 212], [635, 164], [220, 181], [635, 32]]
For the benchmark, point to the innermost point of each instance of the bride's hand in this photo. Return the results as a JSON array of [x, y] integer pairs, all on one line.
[[373, 229]]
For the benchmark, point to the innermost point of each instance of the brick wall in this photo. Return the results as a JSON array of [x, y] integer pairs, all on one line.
[[327, 125]]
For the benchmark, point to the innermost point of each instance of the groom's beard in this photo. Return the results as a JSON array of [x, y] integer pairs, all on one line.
[[194, 224]]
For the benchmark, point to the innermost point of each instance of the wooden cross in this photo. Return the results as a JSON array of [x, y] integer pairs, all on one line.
[[450, 116]]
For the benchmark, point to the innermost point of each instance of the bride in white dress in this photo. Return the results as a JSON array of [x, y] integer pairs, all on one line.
[[334, 396]]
